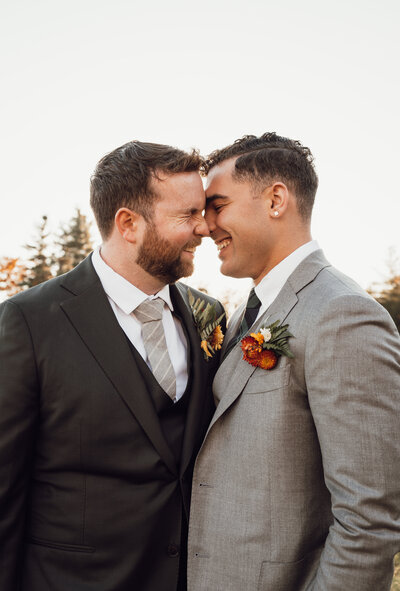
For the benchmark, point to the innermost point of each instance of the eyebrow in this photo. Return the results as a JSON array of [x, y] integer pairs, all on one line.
[[216, 196], [191, 210]]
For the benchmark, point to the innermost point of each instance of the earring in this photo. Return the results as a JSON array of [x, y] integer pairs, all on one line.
[[276, 213]]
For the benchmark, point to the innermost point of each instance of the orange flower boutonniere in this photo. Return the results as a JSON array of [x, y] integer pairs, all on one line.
[[262, 349]]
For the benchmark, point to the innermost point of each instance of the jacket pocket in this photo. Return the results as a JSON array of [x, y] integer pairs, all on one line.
[[264, 380], [60, 546], [282, 576]]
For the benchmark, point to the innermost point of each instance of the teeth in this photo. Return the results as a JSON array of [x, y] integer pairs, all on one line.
[[192, 249], [223, 244]]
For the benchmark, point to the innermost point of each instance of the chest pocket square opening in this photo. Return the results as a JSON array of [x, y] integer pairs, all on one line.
[[261, 381]]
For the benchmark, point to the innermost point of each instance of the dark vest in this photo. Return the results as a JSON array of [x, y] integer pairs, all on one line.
[[172, 418]]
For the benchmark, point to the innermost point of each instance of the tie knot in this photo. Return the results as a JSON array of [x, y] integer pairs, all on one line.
[[253, 301], [149, 310]]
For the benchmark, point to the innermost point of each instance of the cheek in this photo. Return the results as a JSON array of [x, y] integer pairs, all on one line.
[[226, 219], [181, 235], [239, 219]]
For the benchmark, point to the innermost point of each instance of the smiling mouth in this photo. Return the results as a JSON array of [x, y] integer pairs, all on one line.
[[223, 244]]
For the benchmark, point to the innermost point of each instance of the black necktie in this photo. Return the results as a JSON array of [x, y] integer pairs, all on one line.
[[252, 308]]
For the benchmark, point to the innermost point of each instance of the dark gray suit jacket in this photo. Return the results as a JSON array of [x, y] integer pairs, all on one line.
[[91, 495]]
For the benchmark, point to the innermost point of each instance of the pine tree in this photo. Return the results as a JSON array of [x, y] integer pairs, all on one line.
[[74, 242], [38, 264]]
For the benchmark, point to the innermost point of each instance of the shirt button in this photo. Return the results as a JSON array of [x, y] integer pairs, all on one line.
[[173, 550]]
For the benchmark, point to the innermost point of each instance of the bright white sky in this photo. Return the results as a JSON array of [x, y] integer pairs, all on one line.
[[80, 78]]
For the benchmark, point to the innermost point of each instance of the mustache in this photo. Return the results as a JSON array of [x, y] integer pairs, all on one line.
[[193, 244]]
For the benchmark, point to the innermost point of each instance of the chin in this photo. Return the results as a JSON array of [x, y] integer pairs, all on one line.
[[187, 270], [229, 272]]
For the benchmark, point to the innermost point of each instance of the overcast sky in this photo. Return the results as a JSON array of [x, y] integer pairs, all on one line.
[[80, 78]]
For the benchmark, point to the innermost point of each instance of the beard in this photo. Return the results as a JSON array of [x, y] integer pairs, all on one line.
[[162, 259]]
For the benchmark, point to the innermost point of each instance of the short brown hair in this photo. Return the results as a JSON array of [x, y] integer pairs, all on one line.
[[123, 177], [270, 158]]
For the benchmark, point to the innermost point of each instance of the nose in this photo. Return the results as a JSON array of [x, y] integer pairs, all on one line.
[[201, 228], [209, 217]]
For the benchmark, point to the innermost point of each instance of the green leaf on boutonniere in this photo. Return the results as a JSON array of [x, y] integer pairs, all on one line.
[[207, 324]]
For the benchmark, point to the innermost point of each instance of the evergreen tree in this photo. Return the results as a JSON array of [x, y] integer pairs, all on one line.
[[38, 264], [74, 242]]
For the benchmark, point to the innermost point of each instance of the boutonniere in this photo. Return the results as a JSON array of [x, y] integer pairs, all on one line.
[[207, 324], [262, 349]]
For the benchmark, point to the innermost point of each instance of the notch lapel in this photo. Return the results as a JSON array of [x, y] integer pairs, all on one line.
[[198, 369], [234, 372], [233, 327], [92, 317]]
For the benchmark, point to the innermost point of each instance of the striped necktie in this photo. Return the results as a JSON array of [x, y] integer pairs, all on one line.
[[149, 313]]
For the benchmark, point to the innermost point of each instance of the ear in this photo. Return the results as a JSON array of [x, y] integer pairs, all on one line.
[[277, 199], [127, 223]]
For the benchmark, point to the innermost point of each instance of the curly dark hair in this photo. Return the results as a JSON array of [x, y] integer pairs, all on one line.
[[270, 158], [123, 177]]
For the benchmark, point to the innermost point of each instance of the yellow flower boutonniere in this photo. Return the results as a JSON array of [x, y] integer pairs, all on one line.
[[207, 324]]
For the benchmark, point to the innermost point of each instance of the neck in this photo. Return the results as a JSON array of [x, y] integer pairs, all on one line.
[[126, 266], [283, 249]]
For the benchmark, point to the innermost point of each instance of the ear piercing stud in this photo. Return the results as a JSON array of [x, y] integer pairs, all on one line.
[[276, 213]]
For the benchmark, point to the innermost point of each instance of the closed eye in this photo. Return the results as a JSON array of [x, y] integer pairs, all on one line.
[[217, 202]]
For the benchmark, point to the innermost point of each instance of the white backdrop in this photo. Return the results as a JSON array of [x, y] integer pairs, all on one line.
[[83, 77]]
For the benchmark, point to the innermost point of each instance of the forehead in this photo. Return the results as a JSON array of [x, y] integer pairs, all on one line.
[[220, 176], [180, 190]]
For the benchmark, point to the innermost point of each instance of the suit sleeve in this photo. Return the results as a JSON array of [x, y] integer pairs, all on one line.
[[353, 381], [18, 412]]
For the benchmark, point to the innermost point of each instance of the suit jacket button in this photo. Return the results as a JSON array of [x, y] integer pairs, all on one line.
[[173, 550]]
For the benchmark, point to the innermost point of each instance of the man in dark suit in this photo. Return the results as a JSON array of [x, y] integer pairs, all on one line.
[[100, 420]]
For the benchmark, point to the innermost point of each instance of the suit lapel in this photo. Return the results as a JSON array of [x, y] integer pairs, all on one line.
[[197, 372], [91, 315], [234, 372], [233, 327]]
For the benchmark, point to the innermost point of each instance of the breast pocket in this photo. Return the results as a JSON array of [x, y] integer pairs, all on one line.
[[263, 380]]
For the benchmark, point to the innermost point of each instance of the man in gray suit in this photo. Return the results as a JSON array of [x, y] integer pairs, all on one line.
[[297, 484]]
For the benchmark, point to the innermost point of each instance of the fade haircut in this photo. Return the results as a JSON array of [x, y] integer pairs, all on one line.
[[123, 178], [271, 158]]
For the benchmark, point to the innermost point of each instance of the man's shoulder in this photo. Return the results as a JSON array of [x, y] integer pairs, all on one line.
[[338, 283], [331, 284], [42, 291], [45, 294], [35, 303], [334, 293], [317, 277]]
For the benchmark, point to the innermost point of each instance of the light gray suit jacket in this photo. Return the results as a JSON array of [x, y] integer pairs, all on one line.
[[297, 484]]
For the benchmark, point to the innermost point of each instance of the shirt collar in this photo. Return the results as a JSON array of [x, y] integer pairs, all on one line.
[[123, 293], [273, 282]]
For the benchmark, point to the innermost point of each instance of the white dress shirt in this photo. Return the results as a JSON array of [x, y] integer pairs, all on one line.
[[124, 297], [270, 285]]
